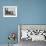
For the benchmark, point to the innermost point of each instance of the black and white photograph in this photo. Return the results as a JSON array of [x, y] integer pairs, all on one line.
[[28, 34], [9, 11]]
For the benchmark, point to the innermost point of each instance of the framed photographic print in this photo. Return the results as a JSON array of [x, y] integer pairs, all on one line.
[[33, 32], [9, 11]]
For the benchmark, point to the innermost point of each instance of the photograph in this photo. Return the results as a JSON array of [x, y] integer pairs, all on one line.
[[9, 11], [30, 33]]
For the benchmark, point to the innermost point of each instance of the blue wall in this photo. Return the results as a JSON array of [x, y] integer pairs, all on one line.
[[29, 12]]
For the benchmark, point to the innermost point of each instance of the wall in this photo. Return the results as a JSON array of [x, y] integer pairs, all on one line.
[[7, 25], [29, 12]]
